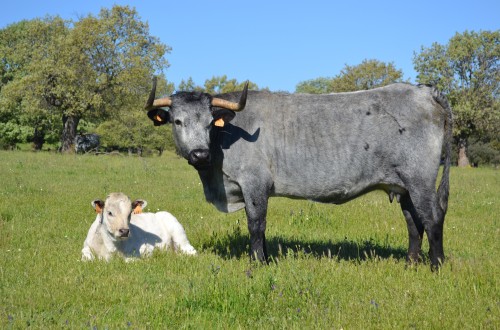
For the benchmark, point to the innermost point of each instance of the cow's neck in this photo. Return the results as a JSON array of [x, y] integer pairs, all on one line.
[[221, 190]]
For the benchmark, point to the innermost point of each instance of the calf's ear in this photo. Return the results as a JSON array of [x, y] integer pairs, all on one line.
[[159, 116], [98, 205], [138, 205]]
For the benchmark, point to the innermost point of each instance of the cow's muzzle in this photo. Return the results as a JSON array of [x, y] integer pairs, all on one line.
[[200, 158]]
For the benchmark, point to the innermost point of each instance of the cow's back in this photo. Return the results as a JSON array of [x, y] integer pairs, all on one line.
[[333, 147]]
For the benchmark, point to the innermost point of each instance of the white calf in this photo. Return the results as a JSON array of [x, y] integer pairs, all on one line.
[[121, 228]]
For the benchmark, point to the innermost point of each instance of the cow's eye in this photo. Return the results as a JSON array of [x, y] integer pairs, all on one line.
[[178, 122], [110, 214]]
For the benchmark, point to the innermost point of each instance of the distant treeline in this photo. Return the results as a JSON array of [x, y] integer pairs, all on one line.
[[60, 78]]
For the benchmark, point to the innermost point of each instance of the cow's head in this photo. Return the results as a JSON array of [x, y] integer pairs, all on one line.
[[193, 116], [115, 214]]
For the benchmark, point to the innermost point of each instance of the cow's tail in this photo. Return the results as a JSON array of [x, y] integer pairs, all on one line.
[[444, 186]]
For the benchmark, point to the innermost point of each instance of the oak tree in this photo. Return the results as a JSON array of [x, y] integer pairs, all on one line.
[[366, 75], [467, 69], [88, 69]]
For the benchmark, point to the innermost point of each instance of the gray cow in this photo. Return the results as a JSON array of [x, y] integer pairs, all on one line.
[[87, 142], [328, 148]]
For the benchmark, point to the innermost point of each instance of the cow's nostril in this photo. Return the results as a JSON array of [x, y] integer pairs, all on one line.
[[124, 232], [201, 154], [199, 157]]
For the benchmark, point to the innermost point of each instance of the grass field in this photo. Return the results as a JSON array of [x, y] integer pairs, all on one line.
[[335, 267]]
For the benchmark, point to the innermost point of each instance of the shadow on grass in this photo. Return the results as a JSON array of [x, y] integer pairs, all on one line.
[[236, 244]]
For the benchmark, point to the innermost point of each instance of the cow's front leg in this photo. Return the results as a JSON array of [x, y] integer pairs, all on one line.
[[256, 198]]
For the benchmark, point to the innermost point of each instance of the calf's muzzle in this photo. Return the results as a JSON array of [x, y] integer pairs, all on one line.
[[124, 233]]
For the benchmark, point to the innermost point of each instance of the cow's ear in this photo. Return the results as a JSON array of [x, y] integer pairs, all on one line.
[[138, 205], [159, 116], [98, 205], [222, 116]]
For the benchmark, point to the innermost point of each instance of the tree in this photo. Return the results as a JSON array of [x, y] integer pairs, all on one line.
[[468, 70], [216, 85], [129, 129], [321, 85], [189, 86], [220, 85], [86, 69], [23, 46], [367, 75]]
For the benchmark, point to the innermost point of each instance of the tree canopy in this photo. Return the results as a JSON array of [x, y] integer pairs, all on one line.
[[366, 75], [215, 85], [61, 77], [467, 69], [24, 48], [89, 69]]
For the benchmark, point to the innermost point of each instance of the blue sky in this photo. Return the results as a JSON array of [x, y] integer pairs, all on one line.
[[278, 44]]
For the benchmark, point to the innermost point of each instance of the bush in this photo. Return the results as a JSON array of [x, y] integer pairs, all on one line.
[[135, 135], [11, 134], [481, 153]]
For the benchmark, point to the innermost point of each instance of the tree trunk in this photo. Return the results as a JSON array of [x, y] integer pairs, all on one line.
[[463, 160], [38, 139], [70, 124]]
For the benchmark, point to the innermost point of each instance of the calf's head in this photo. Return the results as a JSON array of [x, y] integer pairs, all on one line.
[[193, 116], [115, 213]]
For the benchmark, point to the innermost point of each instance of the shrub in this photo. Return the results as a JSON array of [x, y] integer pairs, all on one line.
[[481, 153]]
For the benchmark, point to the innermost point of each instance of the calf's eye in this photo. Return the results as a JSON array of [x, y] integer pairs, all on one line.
[[178, 122]]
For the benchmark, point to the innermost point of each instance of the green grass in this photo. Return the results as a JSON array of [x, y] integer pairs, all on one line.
[[333, 266]]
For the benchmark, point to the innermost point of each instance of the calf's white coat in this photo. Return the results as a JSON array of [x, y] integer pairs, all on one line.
[[117, 230]]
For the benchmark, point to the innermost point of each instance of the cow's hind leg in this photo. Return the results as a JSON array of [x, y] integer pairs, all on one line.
[[256, 201], [256, 217], [422, 214], [415, 229]]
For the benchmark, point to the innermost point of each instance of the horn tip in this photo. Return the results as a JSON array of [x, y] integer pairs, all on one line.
[[149, 102]]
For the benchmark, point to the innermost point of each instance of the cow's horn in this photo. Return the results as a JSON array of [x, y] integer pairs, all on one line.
[[159, 103], [216, 102]]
